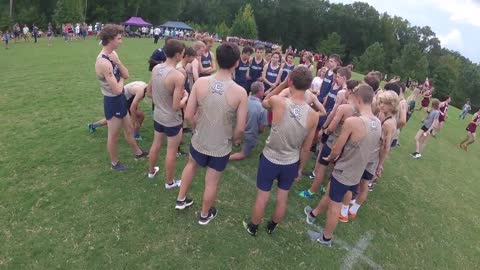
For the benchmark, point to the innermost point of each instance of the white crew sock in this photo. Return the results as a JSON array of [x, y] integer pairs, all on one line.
[[344, 210], [354, 208]]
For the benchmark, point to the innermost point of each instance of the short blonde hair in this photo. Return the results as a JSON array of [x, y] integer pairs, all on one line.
[[435, 103], [198, 45], [389, 98]]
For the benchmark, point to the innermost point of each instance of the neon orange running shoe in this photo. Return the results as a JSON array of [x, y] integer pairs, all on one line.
[[343, 219]]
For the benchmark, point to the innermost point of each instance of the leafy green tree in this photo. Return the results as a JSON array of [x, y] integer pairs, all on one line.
[[69, 11], [372, 59], [222, 29], [411, 63], [244, 24], [333, 44]]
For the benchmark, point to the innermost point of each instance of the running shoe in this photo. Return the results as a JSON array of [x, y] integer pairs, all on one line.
[[174, 184], [251, 229], [343, 219], [324, 242], [155, 171], [271, 227], [212, 213], [306, 194], [308, 213], [91, 129], [143, 155], [138, 138], [119, 167], [180, 205]]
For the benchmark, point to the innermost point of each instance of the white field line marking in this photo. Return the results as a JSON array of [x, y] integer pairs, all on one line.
[[354, 253]]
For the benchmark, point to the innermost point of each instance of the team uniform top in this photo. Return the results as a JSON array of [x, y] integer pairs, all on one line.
[[472, 127], [256, 69], [206, 63], [189, 77], [213, 132], [286, 137], [443, 112], [356, 156], [164, 113], [331, 98], [286, 70], [129, 89], [271, 75], [104, 86], [332, 138], [241, 73], [326, 85]]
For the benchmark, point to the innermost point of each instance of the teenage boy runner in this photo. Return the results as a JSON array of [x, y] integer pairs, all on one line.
[[217, 109], [286, 150], [352, 151]]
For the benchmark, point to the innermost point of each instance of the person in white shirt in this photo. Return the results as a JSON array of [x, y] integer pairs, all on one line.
[[26, 32], [156, 35], [318, 80]]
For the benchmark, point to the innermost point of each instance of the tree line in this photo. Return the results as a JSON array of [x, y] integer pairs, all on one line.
[[358, 32]]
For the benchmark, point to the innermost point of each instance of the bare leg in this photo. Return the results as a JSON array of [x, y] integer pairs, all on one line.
[[281, 207], [237, 156], [212, 178], [114, 126], [172, 146], [154, 150], [128, 128], [319, 175], [362, 196], [466, 139], [187, 178], [417, 140], [472, 139], [323, 204], [424, 142], [260, 205], [332, 218]]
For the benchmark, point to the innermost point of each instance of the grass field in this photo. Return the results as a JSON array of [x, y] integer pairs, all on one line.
[[62, 207]]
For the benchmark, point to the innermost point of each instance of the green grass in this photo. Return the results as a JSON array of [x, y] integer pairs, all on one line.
[[62, 207]]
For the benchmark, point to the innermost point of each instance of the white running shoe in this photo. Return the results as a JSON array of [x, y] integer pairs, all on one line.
[[155, 171], [176, 183]]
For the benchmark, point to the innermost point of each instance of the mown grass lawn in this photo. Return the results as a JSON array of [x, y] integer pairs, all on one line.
[[62, 207]]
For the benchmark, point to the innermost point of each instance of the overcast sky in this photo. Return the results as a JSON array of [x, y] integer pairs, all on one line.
[[455, 22]]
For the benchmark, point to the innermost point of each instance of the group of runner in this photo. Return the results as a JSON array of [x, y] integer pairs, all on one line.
[[230, 97]]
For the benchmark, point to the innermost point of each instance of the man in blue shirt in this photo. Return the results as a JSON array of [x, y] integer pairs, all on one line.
[[256, 121]]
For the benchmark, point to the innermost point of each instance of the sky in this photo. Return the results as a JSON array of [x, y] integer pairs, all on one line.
[[455, 22]]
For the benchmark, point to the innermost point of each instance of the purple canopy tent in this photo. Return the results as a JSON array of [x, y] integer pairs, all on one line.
[[136, 21]]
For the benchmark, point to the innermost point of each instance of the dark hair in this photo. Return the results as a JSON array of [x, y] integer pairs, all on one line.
[[402, 86], [227, 55], [335, 70], [290, 54], [351, 84], [259, 48], [301, 77], [268, 51], [279, 56], [373, 81], [189, 51], [336, 57], [173, 47], [247, 49], [365, 92], [393, 87], [167, 39], [345, 72], [109, 32]]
